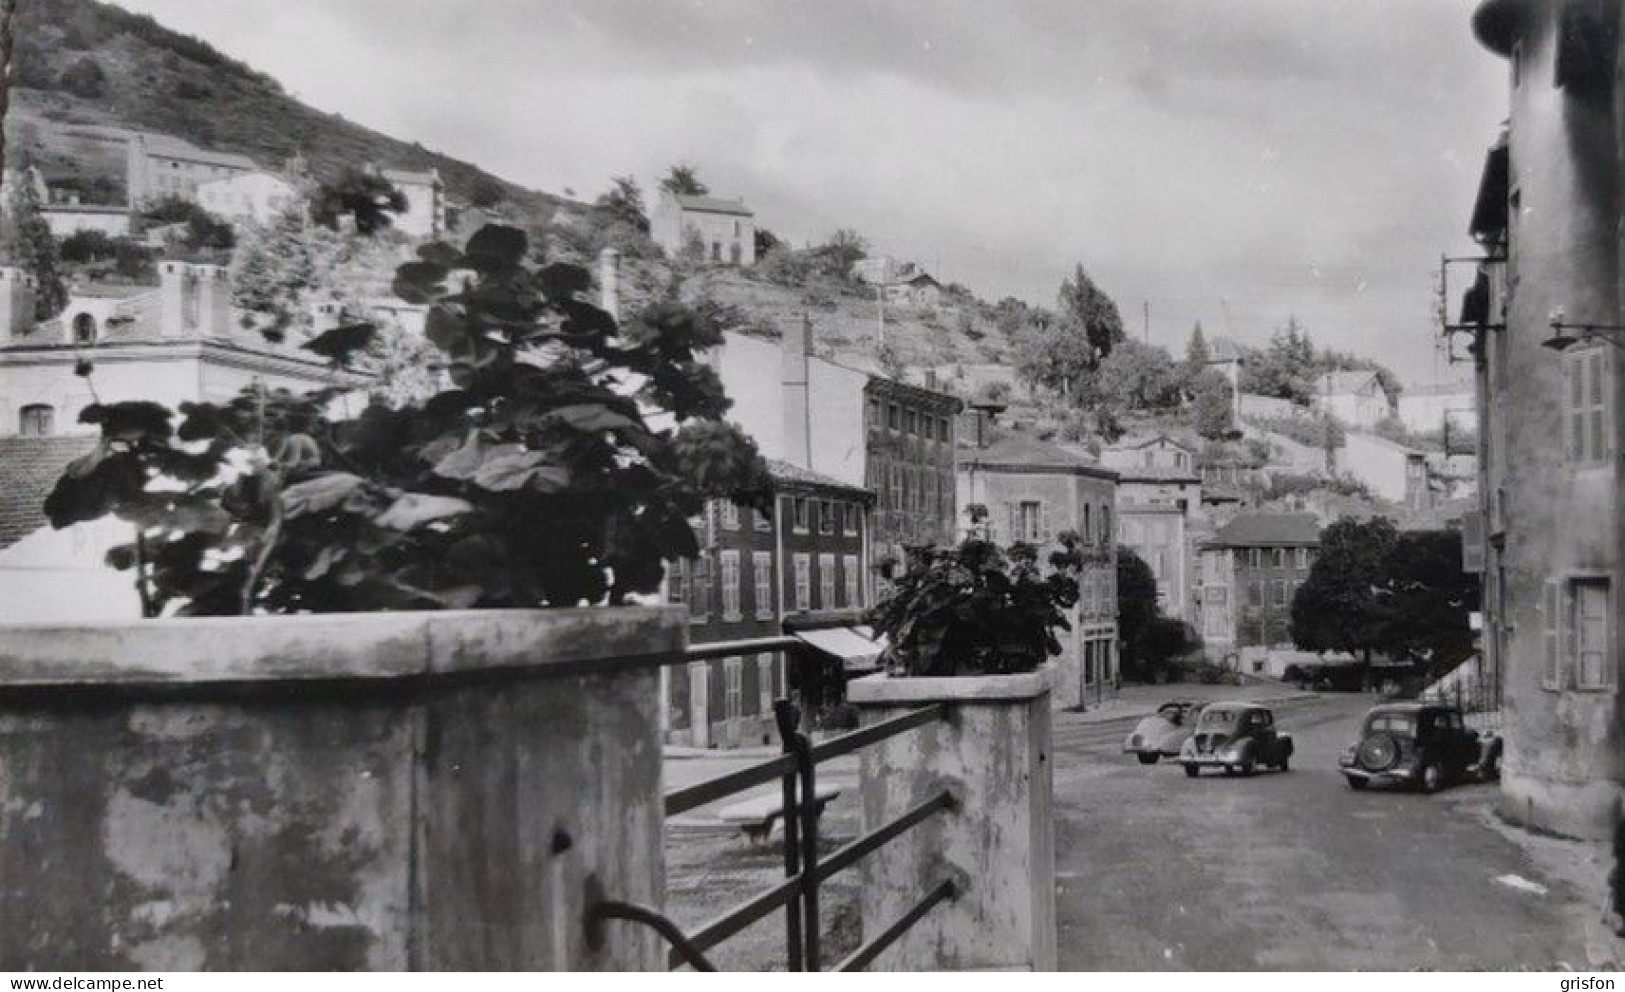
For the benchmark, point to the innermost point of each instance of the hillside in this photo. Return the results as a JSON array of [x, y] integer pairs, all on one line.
[[84, 62]]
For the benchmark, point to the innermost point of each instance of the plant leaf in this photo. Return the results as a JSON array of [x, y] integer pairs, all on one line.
[[521, 469], [338, 344], [496, 248], [413, 510], [318, 495]]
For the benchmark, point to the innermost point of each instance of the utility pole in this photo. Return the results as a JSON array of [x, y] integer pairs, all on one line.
[[880, 305], [1147, 304]]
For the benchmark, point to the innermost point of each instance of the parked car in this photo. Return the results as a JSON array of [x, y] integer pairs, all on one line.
[[1423, 745], [1161, 734], [1325, 677], [1238, 737]]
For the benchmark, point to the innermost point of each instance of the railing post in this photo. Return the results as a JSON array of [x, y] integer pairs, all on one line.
[[786, 716]]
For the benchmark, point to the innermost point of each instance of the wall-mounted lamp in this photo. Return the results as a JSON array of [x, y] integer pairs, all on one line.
[[1563, 340]]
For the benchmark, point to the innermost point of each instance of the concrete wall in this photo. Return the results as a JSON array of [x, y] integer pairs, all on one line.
[[1564, 767], [997, 845], [424, 791], [1377, 462]]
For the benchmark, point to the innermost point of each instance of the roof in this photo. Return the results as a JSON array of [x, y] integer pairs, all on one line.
[[1157, 473], [1220, 493], [169, 146], [1223, 350], [1239, 705], [29, 468], [1268, 530], [793, 475], [1017, 451], [1131, 445], [85, 208], [712, 205], [415, 176]]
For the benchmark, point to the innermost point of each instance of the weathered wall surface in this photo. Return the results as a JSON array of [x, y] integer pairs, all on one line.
[[997, 845], [426, 791]]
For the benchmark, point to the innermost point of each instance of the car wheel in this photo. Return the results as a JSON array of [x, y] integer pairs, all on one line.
[[1432, 779], [1192, 771], [1285, 764], [1356, 783], [1147, 759], [1249, 766], [1490, 768]]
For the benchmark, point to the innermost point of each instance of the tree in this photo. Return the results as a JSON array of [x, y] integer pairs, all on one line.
[[486, 192], [1138, 376], [280, 270], [1337, 608], [1287, 369], [365, 197], [845, 248], [1051, 355], [623, 203], [27, 243], [1213, 405], [84, 78], [1197, 354], [683, 179], [1085, 309], [88, 245], [1424, 598], [766, 241]]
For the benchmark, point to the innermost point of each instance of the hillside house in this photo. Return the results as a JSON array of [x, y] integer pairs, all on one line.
[[723, 231], [160, 165], [256, 196], [1425, 409], [1250, 571], [1355, 397], [69, 218], [425, 213], [1160, 513], [915, 287]]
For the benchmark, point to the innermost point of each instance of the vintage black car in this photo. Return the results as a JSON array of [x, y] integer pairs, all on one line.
[[1423, 745], [1238, 737]]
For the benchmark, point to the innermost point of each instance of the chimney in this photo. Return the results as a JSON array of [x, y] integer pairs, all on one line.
[[796, 346], [172, 309], [325, 316], [609, 282], [16, 303], [193, 300]]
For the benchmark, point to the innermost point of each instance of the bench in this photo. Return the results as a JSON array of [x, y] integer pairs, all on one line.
[[757, 816]]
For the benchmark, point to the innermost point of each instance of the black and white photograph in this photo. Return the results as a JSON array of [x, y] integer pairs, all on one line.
[[1113, 486]]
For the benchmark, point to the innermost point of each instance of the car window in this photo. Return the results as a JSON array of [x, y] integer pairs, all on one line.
[[1393, 723], [1217, 719]]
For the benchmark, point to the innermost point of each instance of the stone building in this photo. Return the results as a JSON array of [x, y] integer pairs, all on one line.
[[1548, 218], [720, 230], [1160, 514], [756, 576], [160, 166], [1250, 571], [911, 434], [1034, 491]]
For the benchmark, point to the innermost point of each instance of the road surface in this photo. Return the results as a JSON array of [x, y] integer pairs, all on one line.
[[1288, 870]]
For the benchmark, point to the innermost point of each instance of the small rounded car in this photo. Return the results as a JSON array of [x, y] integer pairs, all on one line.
[[1421, 745], [1237, 737], [1161, 734]]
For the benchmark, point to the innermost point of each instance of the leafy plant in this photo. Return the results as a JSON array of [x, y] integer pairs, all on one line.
[[559, 464], [977, 609]]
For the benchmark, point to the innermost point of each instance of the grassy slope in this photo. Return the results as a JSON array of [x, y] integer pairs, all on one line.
[[156, 82]]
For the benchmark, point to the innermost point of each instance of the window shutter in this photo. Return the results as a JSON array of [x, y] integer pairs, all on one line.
[[1549, 626], [1014, 529], [1043, 523]]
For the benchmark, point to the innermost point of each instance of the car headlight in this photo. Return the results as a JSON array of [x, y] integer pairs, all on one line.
[[1231, 754]]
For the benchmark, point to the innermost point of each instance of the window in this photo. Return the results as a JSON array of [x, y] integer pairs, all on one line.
[[1088, 526], [1593, 667], [1280, 592], [716, 251], [850, 572], [803, 581], [911, 423], [827, 523], [826, 582], [1303, 559], [735, 253], [874, 414], [764, 682], [730, 585], [699, 604], [942, 430], [1028, 522], [799, 515], [759, 521], [761, 573], [1278, 557], [1585, 406], [1255, 593], [733, 699], [84, 329], [1217, 595], [677, 583], [728, 510], [1252, 557], [894, 417], [36, 420], [1105, 525], [853, 519], [897, 493]]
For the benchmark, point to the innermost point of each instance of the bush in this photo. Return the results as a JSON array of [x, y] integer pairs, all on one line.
[[978, 609], [84, 78], [532, 479], [88, 246]]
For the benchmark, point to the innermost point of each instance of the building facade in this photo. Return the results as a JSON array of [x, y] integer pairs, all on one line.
[[722, 231], [161, 166], [911, 437], [1250, 571], [1034, 492], [1548, 217], [1160, 513], [1354, 397], [757, 576]]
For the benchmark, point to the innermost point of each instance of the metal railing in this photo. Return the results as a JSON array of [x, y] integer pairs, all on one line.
[[804, 869]]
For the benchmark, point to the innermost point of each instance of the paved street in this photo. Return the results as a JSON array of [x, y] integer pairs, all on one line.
[[1289, 871]]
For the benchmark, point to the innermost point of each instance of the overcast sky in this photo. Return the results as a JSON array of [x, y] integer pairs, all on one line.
[[1283, 156]]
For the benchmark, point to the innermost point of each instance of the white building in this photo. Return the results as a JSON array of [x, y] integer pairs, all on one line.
[[68, 219], [425, 213], [1354, 397], [723, 230], [250, 196], [1424, 409]]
